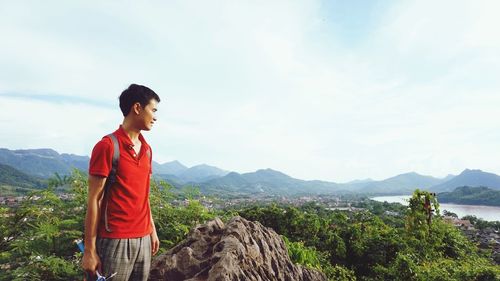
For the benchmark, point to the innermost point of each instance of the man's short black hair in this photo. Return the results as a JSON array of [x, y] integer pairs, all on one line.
[[136, 93]]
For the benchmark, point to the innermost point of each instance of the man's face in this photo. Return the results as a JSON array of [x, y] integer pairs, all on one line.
[[147, 115]]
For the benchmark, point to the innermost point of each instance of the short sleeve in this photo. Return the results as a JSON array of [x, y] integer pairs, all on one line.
[[101, 158]]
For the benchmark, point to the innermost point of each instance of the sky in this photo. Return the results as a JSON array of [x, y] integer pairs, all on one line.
[[329, 90]]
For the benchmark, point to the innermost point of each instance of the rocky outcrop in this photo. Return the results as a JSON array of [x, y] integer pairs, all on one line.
[[238, 251]]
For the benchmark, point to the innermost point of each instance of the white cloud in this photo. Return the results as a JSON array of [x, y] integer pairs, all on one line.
[[70, 128], [256, 84]]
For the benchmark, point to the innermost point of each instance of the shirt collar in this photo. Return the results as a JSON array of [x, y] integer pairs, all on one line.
[[120, 132]]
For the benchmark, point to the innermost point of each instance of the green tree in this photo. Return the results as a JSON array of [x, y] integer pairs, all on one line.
[[173, 222], [422, 206], [39, 234]]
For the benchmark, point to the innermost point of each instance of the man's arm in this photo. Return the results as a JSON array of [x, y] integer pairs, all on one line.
[[91, 261], [155, 242]]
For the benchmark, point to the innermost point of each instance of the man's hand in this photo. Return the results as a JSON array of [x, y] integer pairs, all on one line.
[[155, 242], [91, 262]]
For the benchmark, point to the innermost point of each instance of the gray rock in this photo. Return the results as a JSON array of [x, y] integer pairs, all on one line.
[[241, 250]]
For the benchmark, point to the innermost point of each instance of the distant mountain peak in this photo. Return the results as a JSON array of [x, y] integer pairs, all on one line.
[[201, 172], [174, 162], [360, 181], [44, 152], [412, 174], [203, 166], [470, 177], [471, 171], [270, 171], [174, 167]]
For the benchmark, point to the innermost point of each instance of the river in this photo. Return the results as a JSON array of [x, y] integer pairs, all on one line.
[[488, 213]]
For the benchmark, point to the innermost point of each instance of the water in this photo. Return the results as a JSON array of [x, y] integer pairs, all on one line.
[[488, 213]]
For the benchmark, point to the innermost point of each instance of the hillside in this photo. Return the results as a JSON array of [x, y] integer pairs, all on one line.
[[470, 178], [201, 173], [267, 181], [45, 163], [471, 196], [42, 162], [12, 177], [14, 182], [400, 184], [169, 168]]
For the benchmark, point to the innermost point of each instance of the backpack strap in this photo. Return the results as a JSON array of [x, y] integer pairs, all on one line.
[[111, 179], [114, 164]]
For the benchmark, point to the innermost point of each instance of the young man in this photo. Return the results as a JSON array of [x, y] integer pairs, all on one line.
[[120, 234]]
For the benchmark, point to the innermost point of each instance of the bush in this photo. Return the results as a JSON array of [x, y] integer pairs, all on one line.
[[311, 258]]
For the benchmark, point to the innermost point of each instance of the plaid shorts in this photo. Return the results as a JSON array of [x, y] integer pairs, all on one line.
[[130, 258]]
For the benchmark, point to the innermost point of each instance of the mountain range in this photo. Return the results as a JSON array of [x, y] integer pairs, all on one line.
[[470, 178], [403, 184], [44, 163]]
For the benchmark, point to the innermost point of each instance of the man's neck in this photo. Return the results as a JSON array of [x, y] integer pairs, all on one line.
[[131, 131]]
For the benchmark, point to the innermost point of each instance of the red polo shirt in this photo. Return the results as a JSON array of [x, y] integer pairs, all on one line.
[[128, 211]]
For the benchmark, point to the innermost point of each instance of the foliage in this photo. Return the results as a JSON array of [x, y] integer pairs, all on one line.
[[307, 256], [59, 181], [421, 207], [447, 213], [482, 224], [174, 222], [39, 233], [9, 190], [311, 258], [404, 248]]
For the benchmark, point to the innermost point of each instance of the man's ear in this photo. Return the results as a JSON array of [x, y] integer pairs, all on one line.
[[136, 108]]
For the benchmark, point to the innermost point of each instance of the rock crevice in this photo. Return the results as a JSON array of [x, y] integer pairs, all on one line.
[[239, 250]]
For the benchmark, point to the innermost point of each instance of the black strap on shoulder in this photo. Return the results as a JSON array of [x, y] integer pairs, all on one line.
[[111, 177], [114, 166]]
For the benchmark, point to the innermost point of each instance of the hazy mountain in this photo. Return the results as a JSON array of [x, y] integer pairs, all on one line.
[[400, 184], [201, 173], [193, 175], [10, 176], [265, 181], [46, 162], [171, 168], [360, 181], [470, 178], [42, 162], [448, 177], [269, 175], [174, 180], [233, 183]]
